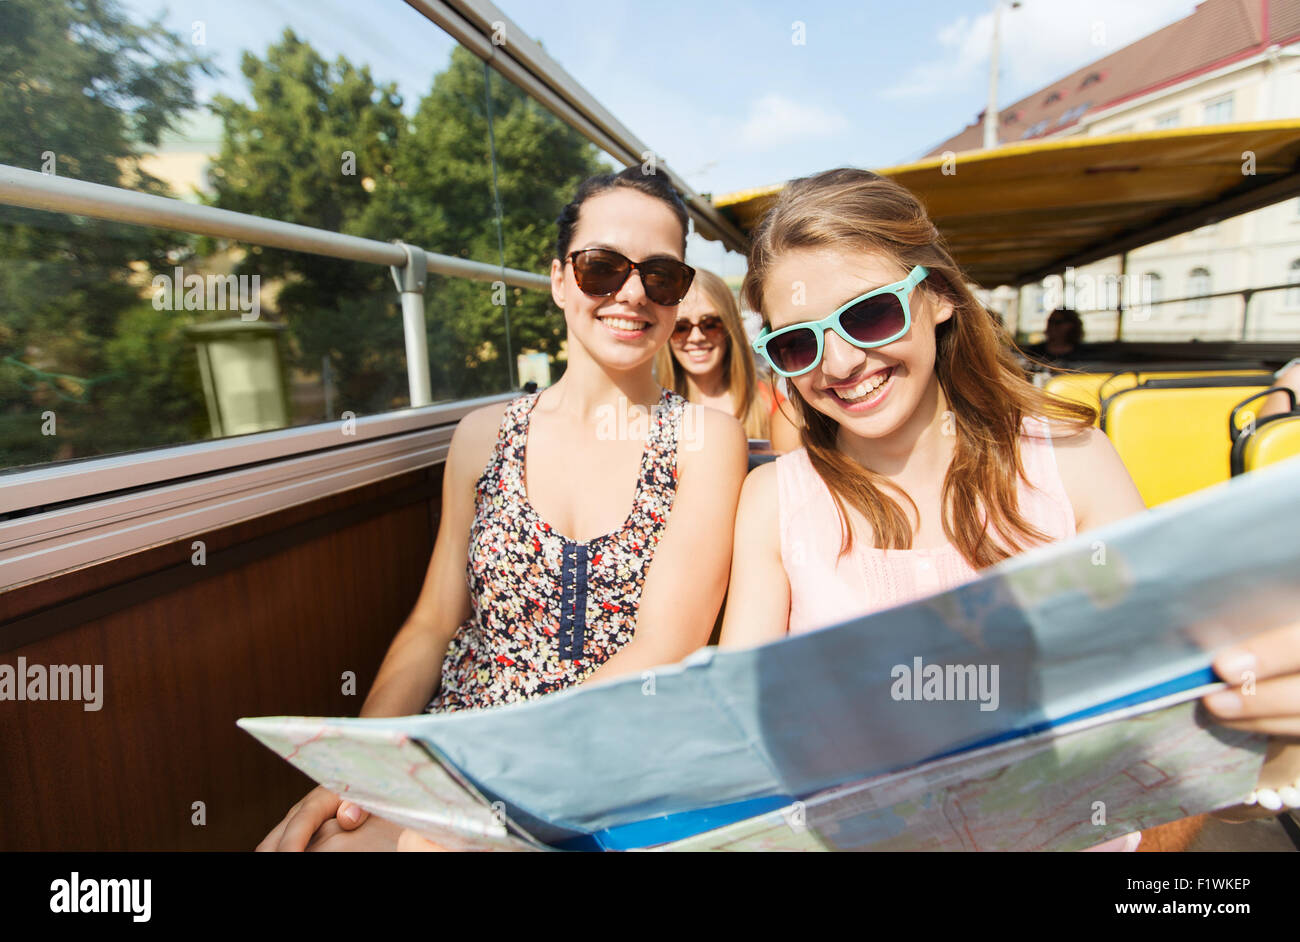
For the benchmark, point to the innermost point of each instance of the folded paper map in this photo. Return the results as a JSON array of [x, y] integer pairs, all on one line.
[[1050, 704]]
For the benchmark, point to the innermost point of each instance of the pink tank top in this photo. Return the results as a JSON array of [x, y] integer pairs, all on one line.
[[825, 590]]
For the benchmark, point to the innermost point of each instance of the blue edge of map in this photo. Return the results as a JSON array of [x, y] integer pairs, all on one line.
[[675, 827]]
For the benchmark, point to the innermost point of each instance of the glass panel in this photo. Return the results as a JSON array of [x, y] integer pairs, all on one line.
[[106, 346], [137, 338], [538, 162]]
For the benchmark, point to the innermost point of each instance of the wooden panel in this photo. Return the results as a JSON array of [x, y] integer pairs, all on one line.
[[286, 604]]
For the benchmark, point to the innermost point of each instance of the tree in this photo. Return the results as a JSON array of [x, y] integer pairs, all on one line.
[[444, 183], [84, 93], [309, 150], [426, 180]]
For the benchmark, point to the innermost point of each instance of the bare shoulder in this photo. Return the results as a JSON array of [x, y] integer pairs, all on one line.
[[760, 484], [1099, 486], [711, 439], [758, 516], [1080, 450], [472, 442]]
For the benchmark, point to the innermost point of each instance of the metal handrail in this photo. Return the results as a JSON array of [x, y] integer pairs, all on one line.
[[34, 190], [1246, 295], [408, 263]]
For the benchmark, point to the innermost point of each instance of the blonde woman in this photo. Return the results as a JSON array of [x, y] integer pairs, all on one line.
[[708, 362]]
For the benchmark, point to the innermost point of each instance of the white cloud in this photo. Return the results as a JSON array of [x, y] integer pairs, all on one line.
[[775, 120], [1040, 42]]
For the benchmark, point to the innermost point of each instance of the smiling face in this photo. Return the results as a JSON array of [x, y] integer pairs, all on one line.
[[870, 393], [701, 352], [624, 330]]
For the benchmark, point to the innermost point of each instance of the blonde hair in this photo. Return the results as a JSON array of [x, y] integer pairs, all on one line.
[[975, 364], [737, 361]]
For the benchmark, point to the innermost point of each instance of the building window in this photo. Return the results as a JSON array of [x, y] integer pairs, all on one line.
[[1218, 111], [1293, 278], [1167, 120], [1034, 129], [1091, 79], [1052, 99], [1072, 114], [1153, 291], [1198, 282]]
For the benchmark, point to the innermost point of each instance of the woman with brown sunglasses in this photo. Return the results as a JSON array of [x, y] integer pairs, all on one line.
[[708, 361], [579, 531]]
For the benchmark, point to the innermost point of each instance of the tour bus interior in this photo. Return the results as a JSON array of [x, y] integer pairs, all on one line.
[[262, 567]]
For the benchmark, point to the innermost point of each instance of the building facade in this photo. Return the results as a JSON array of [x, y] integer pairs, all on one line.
[[1230, 61]]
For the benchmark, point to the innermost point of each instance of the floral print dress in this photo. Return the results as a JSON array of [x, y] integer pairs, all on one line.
[[547, 611]]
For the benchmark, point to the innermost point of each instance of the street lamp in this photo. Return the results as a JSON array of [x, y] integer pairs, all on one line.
[[991, 112], [240, 363]]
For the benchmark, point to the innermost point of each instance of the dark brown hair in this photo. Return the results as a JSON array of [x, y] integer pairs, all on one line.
[[988, 394], [651, 184]]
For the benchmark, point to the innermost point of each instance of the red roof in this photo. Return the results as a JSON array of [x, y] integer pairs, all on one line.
[[1217, 33]]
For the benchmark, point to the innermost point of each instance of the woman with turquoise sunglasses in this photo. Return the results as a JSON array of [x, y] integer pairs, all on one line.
[[926, 454]]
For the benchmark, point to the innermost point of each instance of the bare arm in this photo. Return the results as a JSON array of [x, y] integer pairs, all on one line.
[[688, 577], [412, 667], [1278, 403], [409, 674], [758, 602], [1099, 486]]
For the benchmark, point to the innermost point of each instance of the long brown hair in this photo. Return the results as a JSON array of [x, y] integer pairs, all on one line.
[[737, 362], [974, 361]]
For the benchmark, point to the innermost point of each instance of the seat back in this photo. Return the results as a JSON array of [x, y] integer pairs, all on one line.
[[1171, 433], [1078, 387], [1256, 443], [1276, 439], [1126, 379]]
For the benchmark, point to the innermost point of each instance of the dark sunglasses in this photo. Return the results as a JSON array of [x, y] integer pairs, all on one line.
[[870, 320], [709, 325], [601, 272]]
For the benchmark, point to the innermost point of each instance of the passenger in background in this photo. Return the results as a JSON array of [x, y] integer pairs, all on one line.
[[927, 455], [709, 361], [1063, 335], [605, 488], [1288, 376]]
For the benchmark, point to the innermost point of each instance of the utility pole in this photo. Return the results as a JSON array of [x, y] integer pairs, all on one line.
[[991, 112]]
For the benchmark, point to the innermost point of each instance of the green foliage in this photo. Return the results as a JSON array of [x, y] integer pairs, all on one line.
[[444, 183], [426, 181], [317, 143], [83, 93], [315, 137]]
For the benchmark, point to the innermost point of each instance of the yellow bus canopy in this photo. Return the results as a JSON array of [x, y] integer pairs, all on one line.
[[1017, 213]]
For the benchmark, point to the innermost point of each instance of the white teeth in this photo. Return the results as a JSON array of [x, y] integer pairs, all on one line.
[[864, 388], [622, 323]]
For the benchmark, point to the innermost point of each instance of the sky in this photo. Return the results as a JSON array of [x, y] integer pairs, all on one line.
[[733, 94]]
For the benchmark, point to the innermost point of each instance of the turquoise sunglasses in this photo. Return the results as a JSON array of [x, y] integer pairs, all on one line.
[[869, 320]]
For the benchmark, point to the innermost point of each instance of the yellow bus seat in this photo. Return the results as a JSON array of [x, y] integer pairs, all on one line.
[[1078, 387], [1256, 443], [1170, 434], [1275, 439], [1126, 379]]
